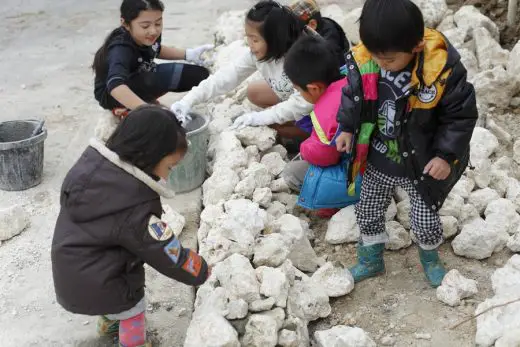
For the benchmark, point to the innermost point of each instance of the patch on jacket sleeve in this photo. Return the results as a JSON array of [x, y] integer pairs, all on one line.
[[159, 230], [173, 250], [193, 264]]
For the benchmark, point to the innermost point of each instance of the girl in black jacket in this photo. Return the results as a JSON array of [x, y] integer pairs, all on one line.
[[126, 74], [109, 225]]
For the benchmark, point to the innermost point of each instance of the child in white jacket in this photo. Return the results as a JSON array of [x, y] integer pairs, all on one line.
[[271, 29]]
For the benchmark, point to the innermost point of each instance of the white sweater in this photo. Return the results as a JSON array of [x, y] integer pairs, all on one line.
[[292, 106]]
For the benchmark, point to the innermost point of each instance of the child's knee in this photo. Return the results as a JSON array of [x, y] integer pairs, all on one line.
[[253, 94]]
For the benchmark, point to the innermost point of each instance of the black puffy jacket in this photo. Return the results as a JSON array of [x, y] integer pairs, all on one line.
[[439, 118], [107, 229]]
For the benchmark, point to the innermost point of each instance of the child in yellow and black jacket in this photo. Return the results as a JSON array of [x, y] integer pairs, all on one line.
[[407, 114]]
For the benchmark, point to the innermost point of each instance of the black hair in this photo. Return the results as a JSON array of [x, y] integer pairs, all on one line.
[[391, 26], [129, 10], [279, 27], [310, 60], [147, 135]]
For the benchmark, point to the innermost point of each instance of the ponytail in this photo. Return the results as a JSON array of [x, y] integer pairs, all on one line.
[[279, 27], [130, 10]]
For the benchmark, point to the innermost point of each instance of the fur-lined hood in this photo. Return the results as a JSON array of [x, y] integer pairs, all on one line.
[[101, 184]]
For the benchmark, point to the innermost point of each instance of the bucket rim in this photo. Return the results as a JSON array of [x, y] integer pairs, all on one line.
[[26, 142], [202, 128]]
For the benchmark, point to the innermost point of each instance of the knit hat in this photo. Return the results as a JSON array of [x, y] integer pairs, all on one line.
[[305, 9]]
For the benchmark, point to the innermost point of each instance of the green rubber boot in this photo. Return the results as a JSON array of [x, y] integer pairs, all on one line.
[[370, 262], [432, 266]]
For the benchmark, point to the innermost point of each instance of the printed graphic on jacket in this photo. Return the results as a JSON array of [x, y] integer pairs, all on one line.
[[282, 87], [385, 154]]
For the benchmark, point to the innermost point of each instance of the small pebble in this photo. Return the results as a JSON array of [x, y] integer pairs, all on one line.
[[391, 326], [86, 322], [337, 248], [420, 336], [182, 312], [388, 340]]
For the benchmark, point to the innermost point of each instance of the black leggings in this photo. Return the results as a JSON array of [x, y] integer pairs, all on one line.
[[170, 77]]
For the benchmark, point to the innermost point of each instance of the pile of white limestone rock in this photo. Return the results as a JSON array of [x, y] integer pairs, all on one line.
[[261, 293]]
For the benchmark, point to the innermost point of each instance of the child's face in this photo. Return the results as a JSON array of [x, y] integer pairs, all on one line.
[[255, 41], [146, 28], [167, 164], [393, 61], [313, 93]]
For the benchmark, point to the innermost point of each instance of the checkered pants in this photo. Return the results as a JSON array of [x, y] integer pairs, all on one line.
[[376, 195]]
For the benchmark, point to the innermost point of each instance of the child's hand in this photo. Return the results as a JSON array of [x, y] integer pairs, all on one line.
[[438, 168], [182, 112], [194, 54], [344, 142]]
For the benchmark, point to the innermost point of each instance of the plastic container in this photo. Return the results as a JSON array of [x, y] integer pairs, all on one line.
[[21, 155], [191, 171]]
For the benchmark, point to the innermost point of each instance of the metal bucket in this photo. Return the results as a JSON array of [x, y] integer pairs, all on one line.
[[191, 171], [21, 155]]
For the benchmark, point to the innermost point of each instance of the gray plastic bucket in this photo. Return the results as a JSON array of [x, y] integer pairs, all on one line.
[[191, 171], [21, 156]]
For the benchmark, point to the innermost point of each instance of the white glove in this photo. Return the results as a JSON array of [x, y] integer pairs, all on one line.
[[193, 54], [253, 119], [182, 111]]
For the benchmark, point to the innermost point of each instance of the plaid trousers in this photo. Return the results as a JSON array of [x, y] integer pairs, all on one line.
[[376, 195]]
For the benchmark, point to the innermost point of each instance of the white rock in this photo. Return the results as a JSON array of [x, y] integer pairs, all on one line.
[[277, 209], [274, 163], [237, 276], [302, 254], [299, 326], [262, 305], [351, 25], [289, 200], [388, 340], [470, 62], [450, 226], [227, 151], [513, 192], [398, 237], [288, 338], [433, 11], [502, 135], [280, 149], [263, 197], [261, 330], [494, 87], [260, 175], [271, 250], [457, 37], [246, 214], [516, 152], [220, 186], [452, 206], [273, 284], [343, 227], [308, 301], [237, 309], [13, 221], [470, 17], [499, 322], [422, 336], [210, 299], [514, 242], [478, 241], [501, 214], [219, 125], [483, 143], [510, 338], [468, 213], [280, 186], [482, 172], [343, 336], [246, 187], [483, 197], [489, 52], [336, 281], [211, 214], [448, 22], [262, 137], [463, 187], [278, 314], [253, 154], [210, 329], [513, 66], [400, 195], [504, 163], [391, 213], [403, 213], [230, 26], [499, 182], [456, 287]]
